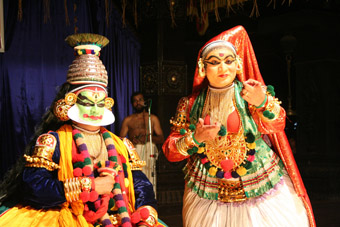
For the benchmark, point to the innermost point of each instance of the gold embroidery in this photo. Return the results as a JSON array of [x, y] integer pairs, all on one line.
[[180, 121], [43, 153], [231, 191], [232, 147], [135, 162]]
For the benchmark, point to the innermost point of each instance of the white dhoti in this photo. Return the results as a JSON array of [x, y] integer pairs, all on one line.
[[279, 207], [144, 152]]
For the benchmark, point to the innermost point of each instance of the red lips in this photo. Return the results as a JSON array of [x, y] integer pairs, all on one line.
[[223, 75], [93, 117]]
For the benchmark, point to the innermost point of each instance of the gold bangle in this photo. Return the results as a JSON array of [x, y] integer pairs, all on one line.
[[273, 106], [182, 147], [72, 189]]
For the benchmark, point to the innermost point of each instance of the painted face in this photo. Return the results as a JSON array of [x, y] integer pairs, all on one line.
[[91, 105], [221, 67], [138, 102]]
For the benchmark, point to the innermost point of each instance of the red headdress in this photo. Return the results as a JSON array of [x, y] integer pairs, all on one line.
[[239, 38]]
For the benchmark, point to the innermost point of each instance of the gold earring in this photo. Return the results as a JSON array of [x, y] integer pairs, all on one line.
[[60, 110], [62, 106], [70, 99], [109, 103], [239, 69], [201, 69]]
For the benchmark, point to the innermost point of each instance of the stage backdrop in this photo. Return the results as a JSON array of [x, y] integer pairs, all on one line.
[[36, 61]]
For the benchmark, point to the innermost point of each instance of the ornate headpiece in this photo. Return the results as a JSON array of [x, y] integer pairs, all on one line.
[[87, 71], [215, 45], [87, 68], [238, 37]]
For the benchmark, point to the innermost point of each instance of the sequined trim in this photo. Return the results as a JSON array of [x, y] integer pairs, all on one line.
[[43, 153], [135, 161]]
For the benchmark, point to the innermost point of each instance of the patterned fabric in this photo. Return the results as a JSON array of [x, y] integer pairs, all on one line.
[[264, 174]]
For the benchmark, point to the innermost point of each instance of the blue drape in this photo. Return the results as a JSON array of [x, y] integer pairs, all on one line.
[[36, 61]]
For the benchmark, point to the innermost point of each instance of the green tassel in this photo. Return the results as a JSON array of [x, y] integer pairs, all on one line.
[[250, 138], [87, 161], [122, 209], [190, 151], [271, 116], [192, 127], [268, 114], [77, 135], [182, 131], [202, 145], [78, 165], [116, 186], [270, 90], [207, 165], [223, 131], [247, 165], [111, 203]]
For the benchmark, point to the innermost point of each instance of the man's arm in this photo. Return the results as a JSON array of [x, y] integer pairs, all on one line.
[[125, 128], [158, 137]]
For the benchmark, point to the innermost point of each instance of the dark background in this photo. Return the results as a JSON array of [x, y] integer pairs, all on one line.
[[305, 31]]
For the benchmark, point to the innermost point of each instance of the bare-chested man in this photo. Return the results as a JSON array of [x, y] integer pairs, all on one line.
[[136, 128]]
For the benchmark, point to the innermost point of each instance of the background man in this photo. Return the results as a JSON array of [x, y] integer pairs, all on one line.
[[136, 127]]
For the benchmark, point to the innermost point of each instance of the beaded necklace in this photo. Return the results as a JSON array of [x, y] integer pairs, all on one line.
[[98, 206]]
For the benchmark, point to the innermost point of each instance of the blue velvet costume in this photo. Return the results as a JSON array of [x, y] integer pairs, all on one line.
[[42, 189]]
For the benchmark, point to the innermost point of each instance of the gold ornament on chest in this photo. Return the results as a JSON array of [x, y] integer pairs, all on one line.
[[229, 147]]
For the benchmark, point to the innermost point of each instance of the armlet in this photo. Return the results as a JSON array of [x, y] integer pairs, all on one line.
[[134, 159], [43, 153]]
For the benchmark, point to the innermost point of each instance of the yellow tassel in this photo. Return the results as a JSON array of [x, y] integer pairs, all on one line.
[[200, 150], [212, 171], [251, 145], [241, 171]]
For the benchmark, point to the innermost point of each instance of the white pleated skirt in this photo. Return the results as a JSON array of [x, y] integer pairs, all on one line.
[[278, 207]]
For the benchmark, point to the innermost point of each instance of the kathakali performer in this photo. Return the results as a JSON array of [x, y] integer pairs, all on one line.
[[75, 172], [240, 170]]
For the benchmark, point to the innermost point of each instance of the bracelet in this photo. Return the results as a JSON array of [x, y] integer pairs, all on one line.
[[185, 143], [193, 138], [272, 109], [72, 189], [264, 102], [182, 147]]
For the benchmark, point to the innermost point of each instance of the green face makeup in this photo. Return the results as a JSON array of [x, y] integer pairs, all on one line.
[[91, 105]]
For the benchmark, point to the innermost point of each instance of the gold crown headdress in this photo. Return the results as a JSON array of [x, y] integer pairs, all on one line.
[[87, 68]]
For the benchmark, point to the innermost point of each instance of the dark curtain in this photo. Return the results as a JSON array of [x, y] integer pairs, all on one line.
[[36, 61]]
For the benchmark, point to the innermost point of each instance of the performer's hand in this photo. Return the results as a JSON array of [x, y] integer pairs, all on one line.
[[252, 92], [206, 132], [104, 184]]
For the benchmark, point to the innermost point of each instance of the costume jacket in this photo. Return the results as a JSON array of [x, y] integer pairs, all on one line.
[[44, 196]]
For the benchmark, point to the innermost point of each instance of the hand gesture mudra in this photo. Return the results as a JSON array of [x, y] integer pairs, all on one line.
[[253, 92]]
